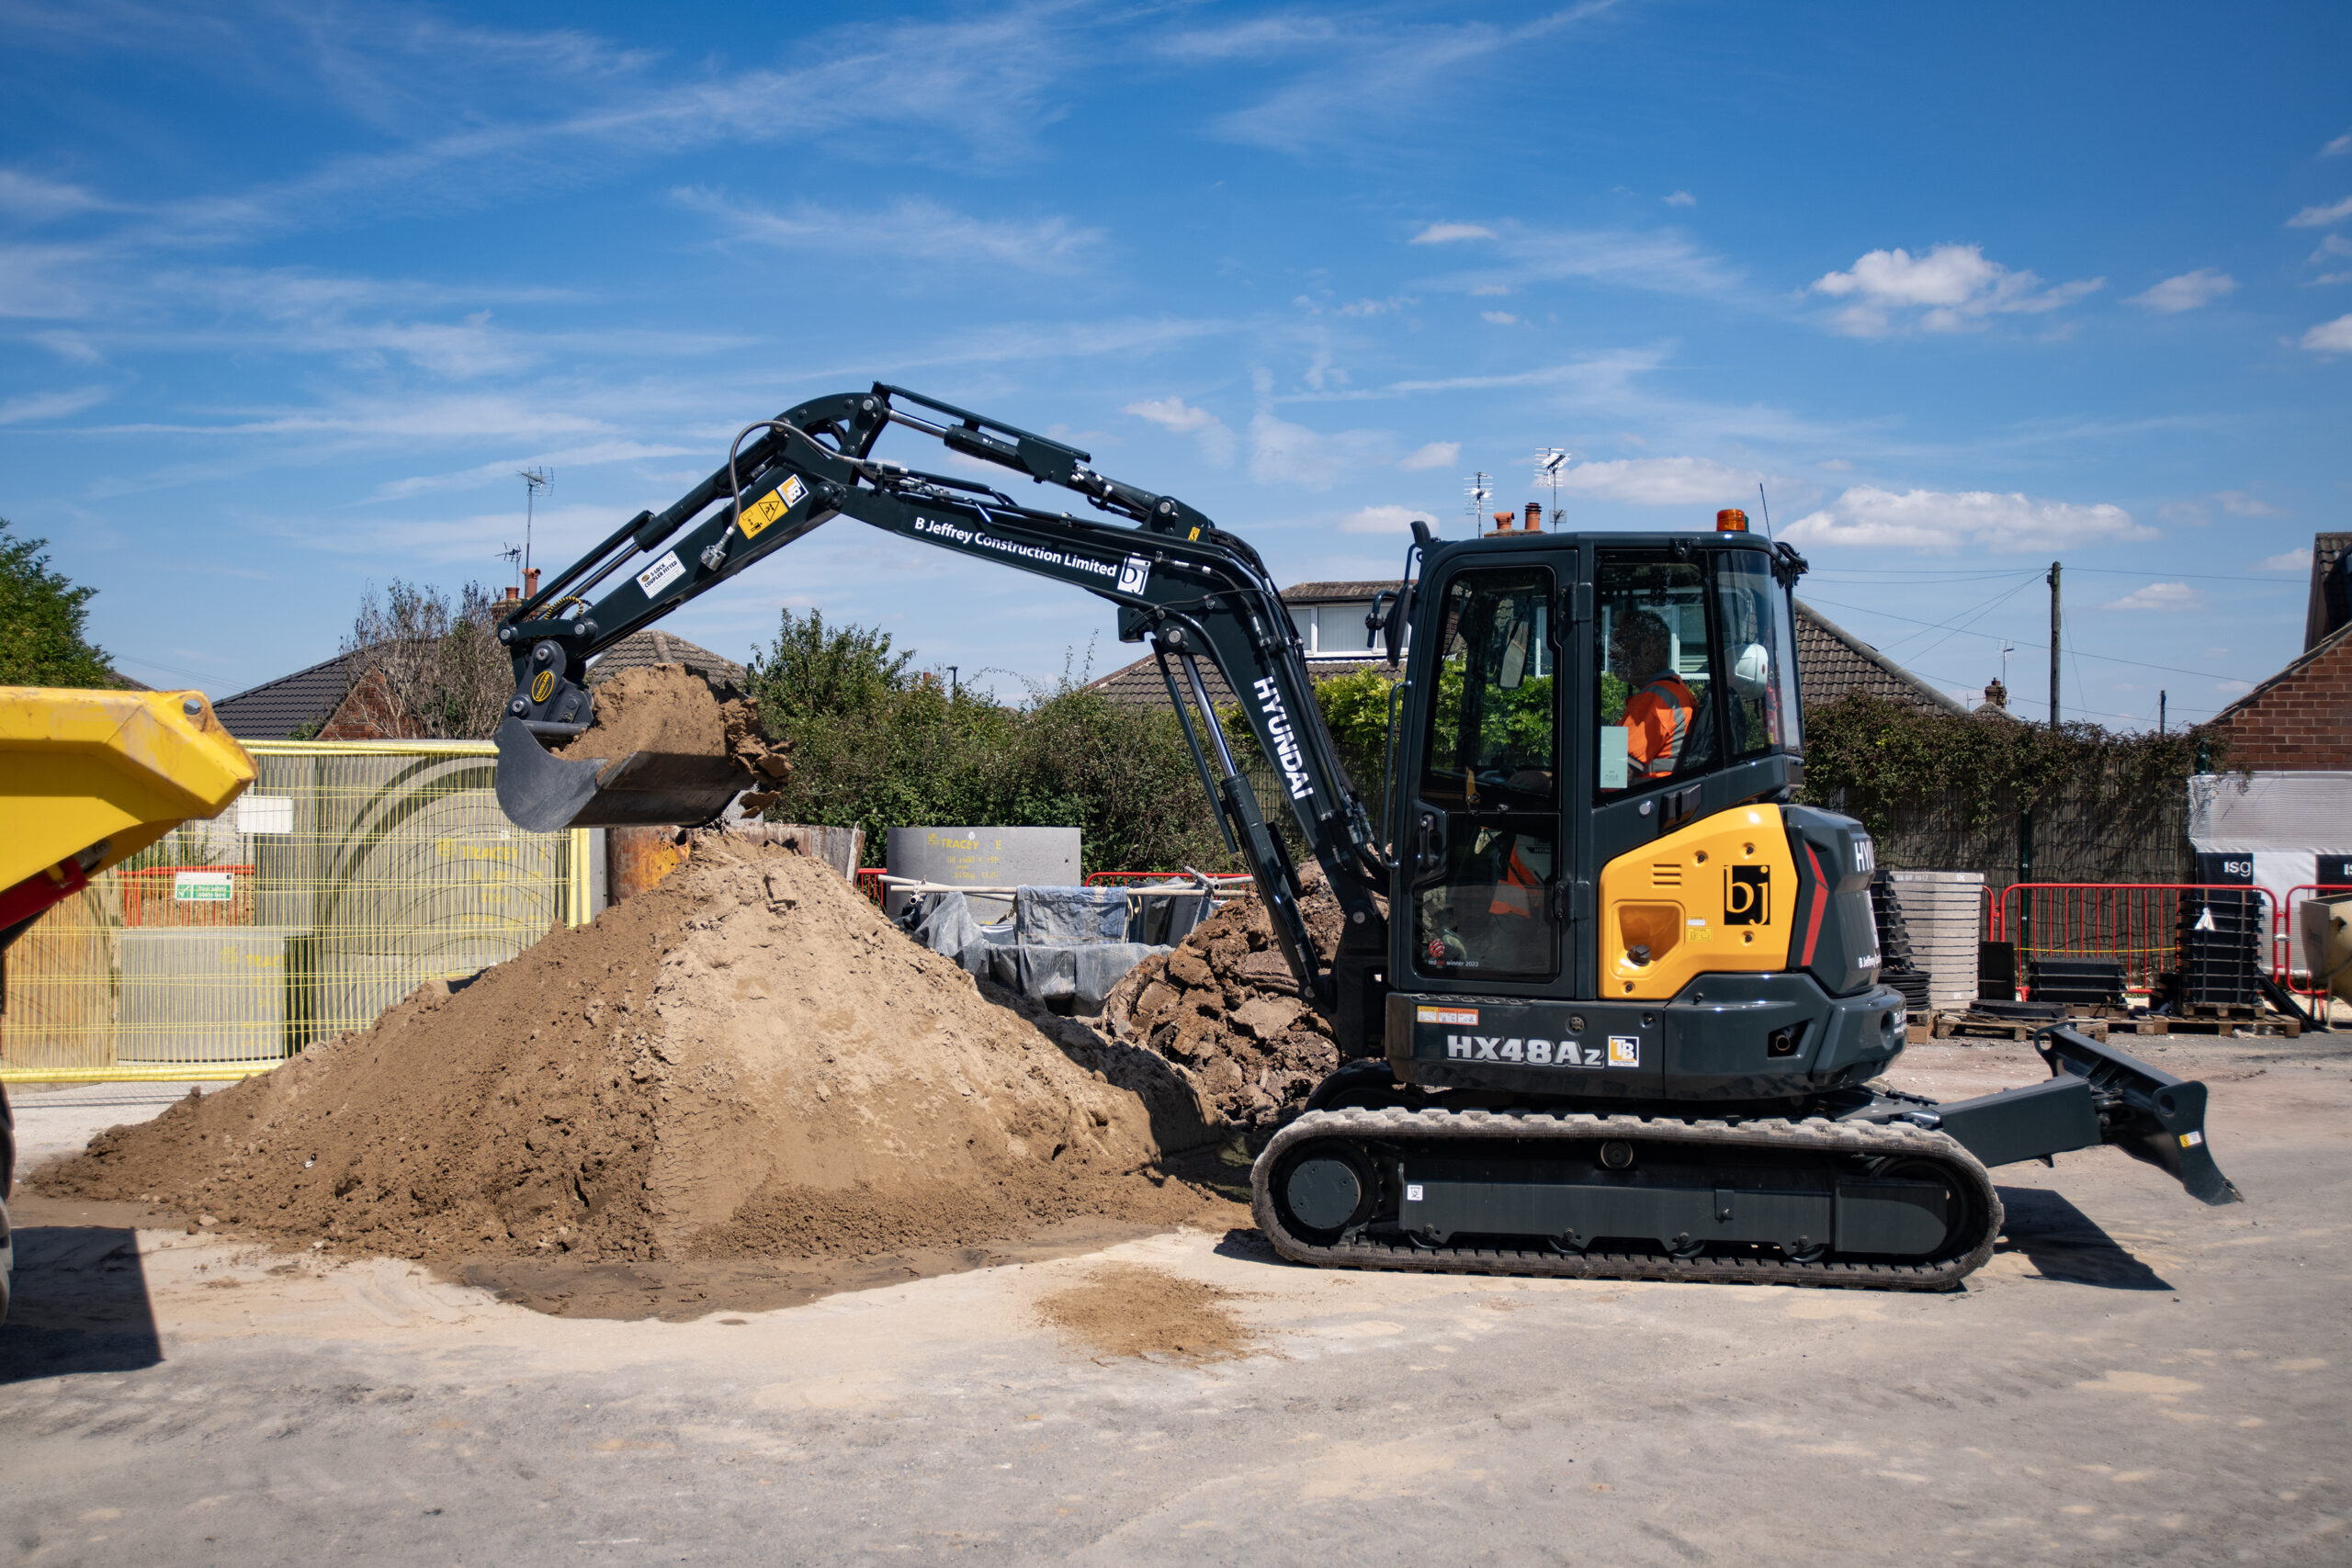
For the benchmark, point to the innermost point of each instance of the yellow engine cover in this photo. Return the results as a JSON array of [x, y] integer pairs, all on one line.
[[126, 767], [1713, 896]]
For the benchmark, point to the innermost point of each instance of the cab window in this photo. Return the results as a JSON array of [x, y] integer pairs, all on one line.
[[1653, 668]]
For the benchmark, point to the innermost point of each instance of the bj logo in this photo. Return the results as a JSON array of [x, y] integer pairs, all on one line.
[[1748, 895], [542, 686]]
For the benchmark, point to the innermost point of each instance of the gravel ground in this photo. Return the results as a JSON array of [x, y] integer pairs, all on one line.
[[2133, 1378]]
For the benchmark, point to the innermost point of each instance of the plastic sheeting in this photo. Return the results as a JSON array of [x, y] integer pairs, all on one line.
[[1062, 943]]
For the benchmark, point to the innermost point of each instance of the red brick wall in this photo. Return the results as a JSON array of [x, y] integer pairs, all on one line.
[[2304, 722]]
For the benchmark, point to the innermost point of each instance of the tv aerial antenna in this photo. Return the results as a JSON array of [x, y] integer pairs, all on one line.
[[1551, 462], [1475, 494], [534, 480]]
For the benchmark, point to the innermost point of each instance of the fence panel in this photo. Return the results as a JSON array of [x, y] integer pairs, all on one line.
[[2135, 924], [348, 876]]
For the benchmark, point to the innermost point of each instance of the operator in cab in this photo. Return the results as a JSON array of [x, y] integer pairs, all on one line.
[[1659, 711]]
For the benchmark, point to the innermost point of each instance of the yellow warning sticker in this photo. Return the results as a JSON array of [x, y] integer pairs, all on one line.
[[1446, 1015], [2190, 1140], [542, 685], [771, 506]]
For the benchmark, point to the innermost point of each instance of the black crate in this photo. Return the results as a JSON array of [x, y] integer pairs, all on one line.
[[2082, 982]]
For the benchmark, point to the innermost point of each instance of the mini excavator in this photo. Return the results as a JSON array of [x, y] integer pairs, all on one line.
[[1607, 998]]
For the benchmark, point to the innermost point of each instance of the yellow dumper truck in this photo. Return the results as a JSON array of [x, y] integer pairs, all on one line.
[[87, 779]]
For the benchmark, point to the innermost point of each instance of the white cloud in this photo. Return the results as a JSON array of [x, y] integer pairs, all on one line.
[[2321, 216], [1287, 454], [2298, 559], [1384, 520], [1447, 233], [2238, 503], [1348, 60], [1180, 418], [50, 405], [2159, 596], [910, 227], [2330, 337], [1661, 261], [1953, 288], [1836, 465], [1946, 522], [37, 201], [1682, 198], [1499, 318], [503, 470], [2187, 292], [1662, 482], [2337, 148], [1436, 454]]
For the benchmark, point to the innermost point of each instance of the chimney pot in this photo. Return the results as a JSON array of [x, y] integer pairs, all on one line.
[[513, 596], [1535, 518], [530, 580]]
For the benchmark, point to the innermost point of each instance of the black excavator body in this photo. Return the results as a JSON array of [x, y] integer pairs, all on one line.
[[1610, 999]]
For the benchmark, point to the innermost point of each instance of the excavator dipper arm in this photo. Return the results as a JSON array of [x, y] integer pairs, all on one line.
[[1191, 590]]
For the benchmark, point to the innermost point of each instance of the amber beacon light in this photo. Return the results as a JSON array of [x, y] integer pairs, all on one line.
[[1731, 520]]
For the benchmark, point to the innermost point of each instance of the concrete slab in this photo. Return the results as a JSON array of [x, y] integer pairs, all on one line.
[[2133, 1378]]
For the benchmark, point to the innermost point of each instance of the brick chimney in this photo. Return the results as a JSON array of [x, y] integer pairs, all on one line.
[[1534, 517], [1996, 696]]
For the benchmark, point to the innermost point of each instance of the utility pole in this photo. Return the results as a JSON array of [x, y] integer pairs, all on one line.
[[2053, 580], [2160, 711]]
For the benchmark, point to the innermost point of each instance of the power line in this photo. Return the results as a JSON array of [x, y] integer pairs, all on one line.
[[2108, 658]]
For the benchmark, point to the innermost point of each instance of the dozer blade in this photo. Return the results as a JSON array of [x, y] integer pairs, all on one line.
[[547, 793], [2144, 1110]]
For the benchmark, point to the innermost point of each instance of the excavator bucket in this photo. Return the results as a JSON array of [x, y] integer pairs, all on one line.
[[547, 793]]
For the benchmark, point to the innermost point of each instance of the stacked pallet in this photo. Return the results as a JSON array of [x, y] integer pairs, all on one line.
[[1943, 912]]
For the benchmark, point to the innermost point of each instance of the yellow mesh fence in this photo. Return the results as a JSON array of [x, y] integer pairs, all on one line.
[[343, 878]]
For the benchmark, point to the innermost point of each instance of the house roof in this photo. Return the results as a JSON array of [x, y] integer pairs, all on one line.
[[1336, 592], [1832, 662], [641, 650], [275, 709], [2300, 661]]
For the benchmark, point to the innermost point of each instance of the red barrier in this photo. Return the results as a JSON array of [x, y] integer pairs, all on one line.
[[2135, 923], [1102, 877]]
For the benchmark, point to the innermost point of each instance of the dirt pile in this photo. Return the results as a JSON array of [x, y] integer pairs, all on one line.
[[744, 1062], [667, 708], [1224, 1007]]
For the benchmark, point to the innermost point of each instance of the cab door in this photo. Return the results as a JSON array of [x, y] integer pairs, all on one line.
[[1484, 850]]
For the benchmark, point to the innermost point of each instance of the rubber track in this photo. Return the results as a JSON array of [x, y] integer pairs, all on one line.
[[1468, 1127]]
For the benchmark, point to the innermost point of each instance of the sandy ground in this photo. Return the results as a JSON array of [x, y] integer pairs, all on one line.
[[2134, 1379]]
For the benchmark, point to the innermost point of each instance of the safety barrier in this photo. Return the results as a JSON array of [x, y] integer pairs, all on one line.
[[348, 876], [2137, 924]]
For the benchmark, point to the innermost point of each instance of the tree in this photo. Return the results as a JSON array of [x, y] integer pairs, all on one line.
[[41, 619], [441, 662], [878, 745]]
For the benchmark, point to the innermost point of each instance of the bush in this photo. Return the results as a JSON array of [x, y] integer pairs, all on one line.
[[878, 745]]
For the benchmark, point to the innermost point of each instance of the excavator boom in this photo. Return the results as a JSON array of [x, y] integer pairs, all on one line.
[[1190, 589]]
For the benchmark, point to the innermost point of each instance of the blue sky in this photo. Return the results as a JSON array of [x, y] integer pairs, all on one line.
[[290, 292]]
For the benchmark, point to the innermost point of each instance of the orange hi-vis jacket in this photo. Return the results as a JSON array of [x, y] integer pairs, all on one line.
[[1657, 719]]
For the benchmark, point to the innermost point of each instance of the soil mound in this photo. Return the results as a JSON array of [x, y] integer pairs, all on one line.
[[1224, 1007], [667, 708], [746, 1061]]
